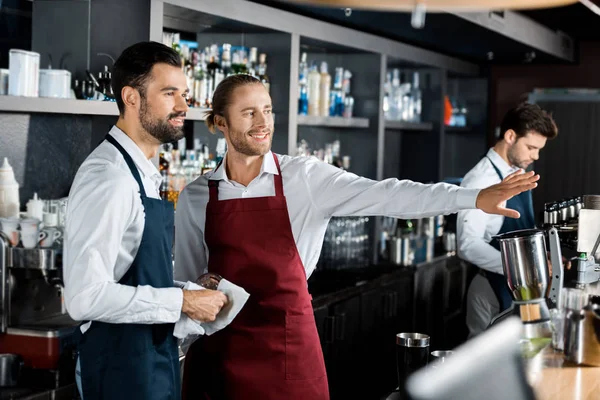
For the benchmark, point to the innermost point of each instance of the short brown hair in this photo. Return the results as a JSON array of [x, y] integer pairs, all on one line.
[[525, 118], [222, 96], [134, 65]]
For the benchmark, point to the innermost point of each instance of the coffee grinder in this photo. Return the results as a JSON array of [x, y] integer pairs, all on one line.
[[525, 265]]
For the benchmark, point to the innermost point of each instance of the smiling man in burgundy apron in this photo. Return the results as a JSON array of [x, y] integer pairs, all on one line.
[[526, 128], [118, 236], [259, 220]]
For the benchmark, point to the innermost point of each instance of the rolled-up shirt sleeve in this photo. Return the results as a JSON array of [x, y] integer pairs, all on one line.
[[471, 231], [100, 209], [340, 193]]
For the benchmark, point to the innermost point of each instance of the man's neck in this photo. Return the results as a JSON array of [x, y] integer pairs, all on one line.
[[502, 149], [143, 140], [241, 168]]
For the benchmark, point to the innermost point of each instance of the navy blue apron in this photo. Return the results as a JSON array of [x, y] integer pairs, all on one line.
[[136, 361], [523, 203]]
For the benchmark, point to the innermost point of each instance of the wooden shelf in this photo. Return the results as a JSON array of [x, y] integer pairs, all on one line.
[[17, 104], [333, 122], [408, 126]]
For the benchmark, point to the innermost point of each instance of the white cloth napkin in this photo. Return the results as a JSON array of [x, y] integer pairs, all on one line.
[[237, 297]]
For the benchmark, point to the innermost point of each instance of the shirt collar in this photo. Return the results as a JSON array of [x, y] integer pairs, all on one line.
[[268, 166], [499, 162], [145, 166]]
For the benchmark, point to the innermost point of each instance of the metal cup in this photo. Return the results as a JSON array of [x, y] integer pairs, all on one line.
[[412, 353], [440, 356]]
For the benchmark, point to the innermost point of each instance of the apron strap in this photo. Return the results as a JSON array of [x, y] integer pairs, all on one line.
[[277, 178], [495, 168], [213, 185], [130, 163]]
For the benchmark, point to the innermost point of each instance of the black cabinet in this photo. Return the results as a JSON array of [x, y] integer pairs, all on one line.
[[358, 325]]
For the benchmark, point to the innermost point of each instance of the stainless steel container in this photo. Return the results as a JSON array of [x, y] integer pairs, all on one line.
[[42, 259], [10, 369], [582, 336], [525, 263]]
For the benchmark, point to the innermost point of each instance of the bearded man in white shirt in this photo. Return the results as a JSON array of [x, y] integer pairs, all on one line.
[[118, 265], [259, 220], [525, 130]]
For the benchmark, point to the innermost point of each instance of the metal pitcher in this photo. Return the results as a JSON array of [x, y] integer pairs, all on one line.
[[582, 335], [525, 263]]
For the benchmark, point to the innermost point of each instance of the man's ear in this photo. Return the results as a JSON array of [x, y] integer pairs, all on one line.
[[510, 136], [220, 123], [131, 97]]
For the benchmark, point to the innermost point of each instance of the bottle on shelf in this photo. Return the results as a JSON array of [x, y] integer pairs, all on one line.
[[262, 71], [302, 86], [324, 91], [226, 60], [314, 87], [416, 98], [337, 94]]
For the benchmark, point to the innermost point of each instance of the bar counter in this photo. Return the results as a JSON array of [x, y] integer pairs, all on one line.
[[554, 378]]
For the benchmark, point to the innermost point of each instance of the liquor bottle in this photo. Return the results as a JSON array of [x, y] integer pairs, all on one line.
[[252, 64], [416, 98], [314, 87], [324, 91], [302, 86], [262, 71], [226, 60]]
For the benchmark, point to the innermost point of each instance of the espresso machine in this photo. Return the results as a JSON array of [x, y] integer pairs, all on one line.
[[34, 324], [525, 265]]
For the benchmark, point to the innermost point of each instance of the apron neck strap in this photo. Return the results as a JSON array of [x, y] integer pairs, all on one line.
[[277, 178], [132, 167], [496, 168], [213, 185]]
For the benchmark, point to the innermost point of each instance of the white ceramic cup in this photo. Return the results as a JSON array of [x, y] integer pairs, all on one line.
[[52, 234], [30, 240], [10, 226], [30, 233]]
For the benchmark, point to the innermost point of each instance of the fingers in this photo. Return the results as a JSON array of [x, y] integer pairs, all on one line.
[[508, 212], [521, 188], [514, 175], [523, 179]]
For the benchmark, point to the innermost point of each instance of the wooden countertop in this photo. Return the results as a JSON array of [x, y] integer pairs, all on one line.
[[553, 378]]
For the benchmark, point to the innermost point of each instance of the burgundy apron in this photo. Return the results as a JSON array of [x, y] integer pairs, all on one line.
[[271, 350]]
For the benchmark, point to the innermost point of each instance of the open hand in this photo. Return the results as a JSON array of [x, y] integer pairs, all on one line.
[[490, 199]]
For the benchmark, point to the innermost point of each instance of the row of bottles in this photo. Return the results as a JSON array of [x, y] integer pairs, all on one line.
[[180, 167], [330, 154], [318, 97], [402, 99], [206, 68]]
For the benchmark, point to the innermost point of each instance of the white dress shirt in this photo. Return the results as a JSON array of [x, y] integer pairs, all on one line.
[[103, 231], [315, 192], [475, 228]]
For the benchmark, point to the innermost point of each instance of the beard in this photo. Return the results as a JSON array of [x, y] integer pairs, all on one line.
[[243, 146], [160, 129], [514, 159]]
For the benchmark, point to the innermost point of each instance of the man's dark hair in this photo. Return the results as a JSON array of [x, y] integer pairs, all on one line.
[[526, 118], [222, 97], [134, 65]]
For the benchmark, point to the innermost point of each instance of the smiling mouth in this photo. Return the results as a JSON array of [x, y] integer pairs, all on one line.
[[259, 136], [177, 121]]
